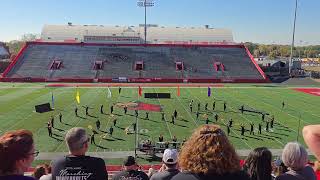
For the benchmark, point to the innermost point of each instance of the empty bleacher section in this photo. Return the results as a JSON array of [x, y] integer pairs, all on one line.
[[221, 63]]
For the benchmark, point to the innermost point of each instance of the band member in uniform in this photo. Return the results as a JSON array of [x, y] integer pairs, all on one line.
[[251, 128], [114, 122], [49, 129], [87, 110], [214, 105], [172, 119], [98, 124], [92, 141], [198, 114], [242, 130], [283, 104], [190, 106], [125, 109], [216, 117], [136, 113], [111, 130], [242, 108], [147, 115], [230, 122], [224, 106], [160, 138], [263, 116], [267, 126], [134, 125], [52, 121], [198, 106], [260, 128], [101, 109], [207, 120], [119, 90], [175, 113], [272, 121], [60, 117], [111, 109], [228, 130], [162, 116], [206, 106], [76, 111]]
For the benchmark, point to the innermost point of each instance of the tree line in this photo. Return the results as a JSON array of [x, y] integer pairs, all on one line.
[[273, 51]]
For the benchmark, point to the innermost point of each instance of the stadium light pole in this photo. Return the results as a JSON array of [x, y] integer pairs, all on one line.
[[293, 34], [145, 4]]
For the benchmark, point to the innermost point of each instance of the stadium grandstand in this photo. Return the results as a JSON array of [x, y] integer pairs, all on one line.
[[4, 57]]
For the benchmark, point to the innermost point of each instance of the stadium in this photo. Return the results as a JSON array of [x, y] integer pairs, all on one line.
[[179, 79]]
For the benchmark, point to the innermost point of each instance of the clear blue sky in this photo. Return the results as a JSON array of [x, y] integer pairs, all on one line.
[[260, 21]]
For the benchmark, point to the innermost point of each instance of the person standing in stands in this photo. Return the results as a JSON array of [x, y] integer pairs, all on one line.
[[111, 130], [224, 106], [52, 121], [98, 124], [111, 109], [251, 129], [130, 171], [87, 110], [76, 111], [169, 167], [76, 165], [17, 152], [101, 109], [60, 117], [190, 106], [223, 163], [147, 115], [49, 127], [260, 128], [258, 164]]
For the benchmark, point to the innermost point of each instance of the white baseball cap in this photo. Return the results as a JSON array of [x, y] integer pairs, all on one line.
[[170, 156]]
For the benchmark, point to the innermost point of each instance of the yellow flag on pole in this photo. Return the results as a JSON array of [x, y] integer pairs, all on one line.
[[78, 97]]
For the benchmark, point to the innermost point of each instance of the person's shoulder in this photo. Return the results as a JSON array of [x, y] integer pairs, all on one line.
[[241, 175], [119, 174], [59, 160], [185, 175], [16, 177]]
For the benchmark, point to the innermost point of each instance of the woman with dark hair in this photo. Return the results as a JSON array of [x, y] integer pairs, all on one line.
[[208, 154], [258, 164], [16, 154]]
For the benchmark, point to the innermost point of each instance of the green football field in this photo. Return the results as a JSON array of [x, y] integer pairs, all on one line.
[[17, 111]]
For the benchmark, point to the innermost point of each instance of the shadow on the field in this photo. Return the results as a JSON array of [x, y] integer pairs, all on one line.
[[119, 139], [103, 131], [280, 129], [279, 134], [81, 117], [181, 125], [92, 116], [252, 137], [99, 146], [262, 136], [59, 129], [120, 127], [149, 120], [184, 120], [56, 137], [238, 137], [270, 136], [66, 124], [108, 139], [143, 135], [117, 114]]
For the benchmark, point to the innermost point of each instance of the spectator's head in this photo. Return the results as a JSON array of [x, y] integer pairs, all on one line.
[[39, 171], [16, 152], [258, 164], [294, 156], [208, 151], [48, 168], [170, 158], [129, 163], [77, 141], [316, 166]]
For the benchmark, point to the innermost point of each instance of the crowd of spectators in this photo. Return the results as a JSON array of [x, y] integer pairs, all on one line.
[[207, 154]]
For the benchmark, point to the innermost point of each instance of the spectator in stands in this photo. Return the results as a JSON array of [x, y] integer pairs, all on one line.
[[169, 167], [295, 157], [39, 171], [16, 154], [130, 171], [258, 164], [48, 175], [208, 154], [77, 165], [311, 135]]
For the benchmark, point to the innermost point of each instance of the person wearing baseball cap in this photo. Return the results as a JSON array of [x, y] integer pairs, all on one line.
[[169, 167], [130, 171]]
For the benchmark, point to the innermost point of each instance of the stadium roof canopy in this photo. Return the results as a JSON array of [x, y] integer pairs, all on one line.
[[135, 34]]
